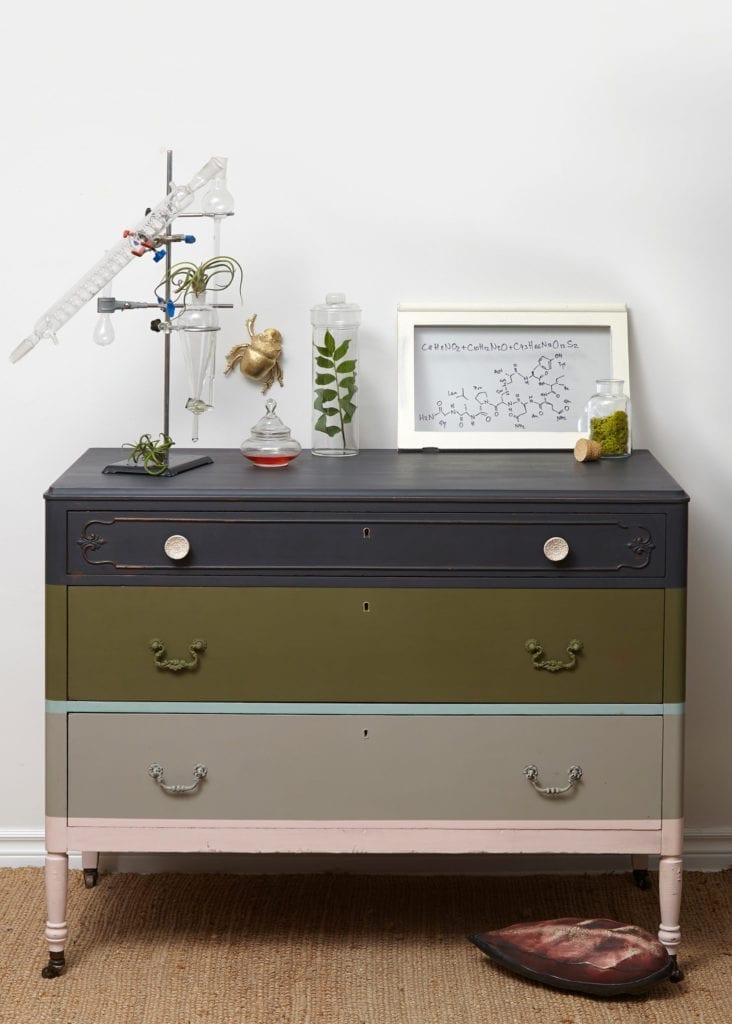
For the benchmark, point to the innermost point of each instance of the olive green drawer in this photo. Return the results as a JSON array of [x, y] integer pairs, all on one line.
[[363, 767], [370, 644]]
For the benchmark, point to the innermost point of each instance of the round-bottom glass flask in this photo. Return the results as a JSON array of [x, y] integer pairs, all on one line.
[[608, 419]]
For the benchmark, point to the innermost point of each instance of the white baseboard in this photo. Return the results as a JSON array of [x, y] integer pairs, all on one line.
[[704, 850], [707, 849], [24, 848]]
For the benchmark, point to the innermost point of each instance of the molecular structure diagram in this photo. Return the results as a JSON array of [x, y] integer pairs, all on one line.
[[518, 397]]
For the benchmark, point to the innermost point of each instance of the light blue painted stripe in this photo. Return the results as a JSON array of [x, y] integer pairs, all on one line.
[[63, 707]]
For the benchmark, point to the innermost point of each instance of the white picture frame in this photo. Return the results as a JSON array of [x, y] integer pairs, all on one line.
[[484, 377]]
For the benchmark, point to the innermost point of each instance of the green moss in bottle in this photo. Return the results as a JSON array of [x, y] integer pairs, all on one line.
[[612, 433]]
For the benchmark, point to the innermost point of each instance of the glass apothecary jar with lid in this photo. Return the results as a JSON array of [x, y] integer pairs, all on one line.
[[270, 444], [608, 419]]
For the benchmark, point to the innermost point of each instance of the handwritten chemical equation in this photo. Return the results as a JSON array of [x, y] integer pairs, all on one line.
[[496, 346], [506, 379], [514, 397]]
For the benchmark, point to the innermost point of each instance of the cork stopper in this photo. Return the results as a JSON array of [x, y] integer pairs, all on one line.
[[587, 450]]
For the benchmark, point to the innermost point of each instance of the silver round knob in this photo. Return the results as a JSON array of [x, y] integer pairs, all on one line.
[[556, 549], [177, 547]]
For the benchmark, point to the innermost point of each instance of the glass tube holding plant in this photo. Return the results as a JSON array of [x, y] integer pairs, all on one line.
[[335, 376]]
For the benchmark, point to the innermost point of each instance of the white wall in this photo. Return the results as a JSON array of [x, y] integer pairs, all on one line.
[[562, 152]]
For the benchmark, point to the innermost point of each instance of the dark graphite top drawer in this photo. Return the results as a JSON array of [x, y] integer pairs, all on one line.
[[133, 542], [450, 516]]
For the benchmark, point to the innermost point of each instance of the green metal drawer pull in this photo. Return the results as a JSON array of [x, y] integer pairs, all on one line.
[[553, 664], [574, 775], [177, 664], [156, 772]]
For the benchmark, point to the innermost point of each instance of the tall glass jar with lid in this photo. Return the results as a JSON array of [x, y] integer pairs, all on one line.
[[335, 376]]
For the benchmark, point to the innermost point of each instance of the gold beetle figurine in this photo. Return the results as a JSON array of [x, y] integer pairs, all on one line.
[[259, 360]]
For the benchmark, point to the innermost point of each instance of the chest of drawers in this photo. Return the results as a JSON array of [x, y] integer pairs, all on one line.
[[392, 653]]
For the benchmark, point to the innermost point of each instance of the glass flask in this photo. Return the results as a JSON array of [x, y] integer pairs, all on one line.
[[608, 419], [218, 201], [335, 376], [103, 333], [270, 444], [198, 324]]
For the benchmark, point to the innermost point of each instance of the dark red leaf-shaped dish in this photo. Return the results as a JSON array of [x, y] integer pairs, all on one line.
[[594, 955]]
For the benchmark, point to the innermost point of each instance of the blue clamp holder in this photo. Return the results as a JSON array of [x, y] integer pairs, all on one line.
[[169, 306]]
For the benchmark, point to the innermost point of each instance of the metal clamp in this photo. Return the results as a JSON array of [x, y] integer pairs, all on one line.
[[177, 664], [574, 775], [156, 772], [553, 664]]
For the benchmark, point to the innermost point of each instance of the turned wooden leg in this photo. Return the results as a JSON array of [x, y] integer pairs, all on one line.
[[669, 891], [90, 867], [57, 872], [639, 864]]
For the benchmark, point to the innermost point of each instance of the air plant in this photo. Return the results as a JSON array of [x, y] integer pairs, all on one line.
[[152, 454], [215, 275]]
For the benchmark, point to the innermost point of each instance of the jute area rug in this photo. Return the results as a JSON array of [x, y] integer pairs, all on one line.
[[336, 949]]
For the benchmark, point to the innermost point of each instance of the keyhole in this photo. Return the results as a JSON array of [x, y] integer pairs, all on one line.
[[366, 533], [366, 606], [365, 734]]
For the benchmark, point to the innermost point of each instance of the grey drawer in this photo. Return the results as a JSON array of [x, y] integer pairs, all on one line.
[[363, 767], [615, 546]]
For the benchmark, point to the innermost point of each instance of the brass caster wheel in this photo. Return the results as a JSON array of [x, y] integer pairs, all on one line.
[[641, 878], [55, 966], [91, 877], [676, 974]]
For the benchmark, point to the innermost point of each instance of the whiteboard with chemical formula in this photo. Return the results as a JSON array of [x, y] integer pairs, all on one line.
[[491, 377]]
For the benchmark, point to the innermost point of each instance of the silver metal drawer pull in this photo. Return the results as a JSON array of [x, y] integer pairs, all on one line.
[[177, 547], [556, 549], [156, 772], [574, 775]]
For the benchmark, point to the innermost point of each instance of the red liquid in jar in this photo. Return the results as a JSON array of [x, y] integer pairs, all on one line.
[[270, 460]]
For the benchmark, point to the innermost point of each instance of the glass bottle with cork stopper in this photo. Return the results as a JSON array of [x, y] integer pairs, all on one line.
[[608, 419]]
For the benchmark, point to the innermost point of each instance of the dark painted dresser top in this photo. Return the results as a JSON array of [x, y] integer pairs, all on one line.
[[381, 475]]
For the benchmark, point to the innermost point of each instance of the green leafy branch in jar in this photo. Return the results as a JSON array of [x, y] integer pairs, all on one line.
[[214, 274], [337, 384]]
